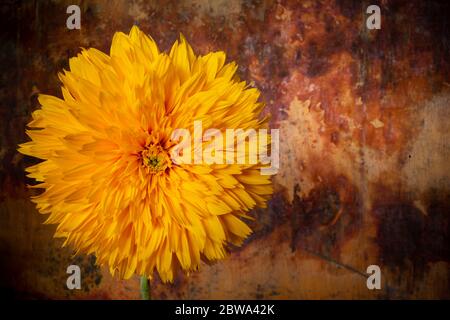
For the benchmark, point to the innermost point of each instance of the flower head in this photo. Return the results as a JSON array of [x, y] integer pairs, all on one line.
[[110, 182]]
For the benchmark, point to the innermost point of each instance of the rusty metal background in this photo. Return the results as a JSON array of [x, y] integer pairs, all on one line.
[[364, 119]]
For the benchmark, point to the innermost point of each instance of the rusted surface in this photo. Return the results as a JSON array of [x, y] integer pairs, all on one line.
[[363, 114]]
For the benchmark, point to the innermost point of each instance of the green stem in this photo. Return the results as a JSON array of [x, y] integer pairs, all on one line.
[[145, 288]]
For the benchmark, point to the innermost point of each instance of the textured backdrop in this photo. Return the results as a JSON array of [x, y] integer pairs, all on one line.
[[364, 133]]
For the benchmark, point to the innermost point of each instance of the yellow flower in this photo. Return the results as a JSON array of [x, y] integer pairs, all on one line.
[[109, 181]]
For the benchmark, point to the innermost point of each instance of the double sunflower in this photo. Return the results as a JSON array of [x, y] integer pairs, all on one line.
[[108, 180]]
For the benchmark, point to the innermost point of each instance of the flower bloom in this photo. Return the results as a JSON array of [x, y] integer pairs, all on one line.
[[109, 182]]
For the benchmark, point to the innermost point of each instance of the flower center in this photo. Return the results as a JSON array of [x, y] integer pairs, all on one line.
[[155, 159]]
